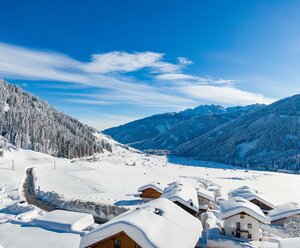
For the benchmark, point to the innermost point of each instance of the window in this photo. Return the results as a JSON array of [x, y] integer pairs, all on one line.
[[242, 216], [249, 225], [249, 236], [232, 233], [238, 225], [117, 243]]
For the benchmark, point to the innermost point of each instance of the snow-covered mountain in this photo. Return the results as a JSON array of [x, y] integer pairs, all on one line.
[[31, 123], [268, 138], [169, 130]]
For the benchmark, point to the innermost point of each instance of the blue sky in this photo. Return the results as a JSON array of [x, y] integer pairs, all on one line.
[[110, 62]]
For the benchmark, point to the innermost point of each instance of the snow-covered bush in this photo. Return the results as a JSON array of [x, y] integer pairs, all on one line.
[[292, 226]]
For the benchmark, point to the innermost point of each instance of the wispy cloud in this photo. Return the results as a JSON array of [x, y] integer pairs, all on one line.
[[224, 94], [129, 62], [108, 73]]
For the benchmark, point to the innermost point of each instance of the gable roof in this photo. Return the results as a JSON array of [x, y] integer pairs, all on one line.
[[238, 205], [153, 185], [250, 194], [159, 223], [205, 193], [284, 211], [182, 193]]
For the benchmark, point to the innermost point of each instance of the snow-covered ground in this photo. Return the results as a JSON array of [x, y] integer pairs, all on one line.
[[114, 178]]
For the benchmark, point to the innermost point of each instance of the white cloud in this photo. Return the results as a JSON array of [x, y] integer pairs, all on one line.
[[224, 95], [176, 76], [105, 72], [184, 61], [129, 62]]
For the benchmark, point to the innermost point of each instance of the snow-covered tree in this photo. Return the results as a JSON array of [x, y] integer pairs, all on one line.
[[31, 123]]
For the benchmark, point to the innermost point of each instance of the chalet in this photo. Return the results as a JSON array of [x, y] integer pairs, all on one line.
[[151, 191], [205, 199], [253, 196], [281, 213], [183, 195], [158, 223], [241, 218]]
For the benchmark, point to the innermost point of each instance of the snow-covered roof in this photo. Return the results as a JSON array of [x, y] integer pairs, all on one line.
[[159, 223], [205, 193], [284, 211], [238, 205], [153, 185], [289, 243], [61, 220], [182, 193], [250, 194]]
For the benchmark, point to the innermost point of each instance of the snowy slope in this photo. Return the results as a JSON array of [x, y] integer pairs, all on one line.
[[114, 178], [268, 138], [30, 123]]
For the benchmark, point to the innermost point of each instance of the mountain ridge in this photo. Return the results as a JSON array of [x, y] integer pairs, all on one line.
[[268, 138], [168, 130]]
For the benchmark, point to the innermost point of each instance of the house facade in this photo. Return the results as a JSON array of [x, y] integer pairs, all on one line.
[[242, 219], [205, 199], [118, 240], [151, 191], [242, 225]]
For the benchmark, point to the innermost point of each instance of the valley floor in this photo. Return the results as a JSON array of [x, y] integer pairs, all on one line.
[[114, 179]]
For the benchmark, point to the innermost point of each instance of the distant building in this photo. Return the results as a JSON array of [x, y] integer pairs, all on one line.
[[151, 191], [279, 215], [253, 196], [205, 199], [241, 218], [184, 195], [158, 223]]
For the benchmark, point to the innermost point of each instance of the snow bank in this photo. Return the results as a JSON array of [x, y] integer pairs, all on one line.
[[289, 243], [16, 235], [223, 243], [65, 221]]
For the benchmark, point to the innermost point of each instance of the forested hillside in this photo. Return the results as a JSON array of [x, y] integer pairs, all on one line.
[[31, 123], [268, 138], [169, 130]]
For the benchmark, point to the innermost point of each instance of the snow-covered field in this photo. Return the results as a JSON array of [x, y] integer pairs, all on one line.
[[114, 178]]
